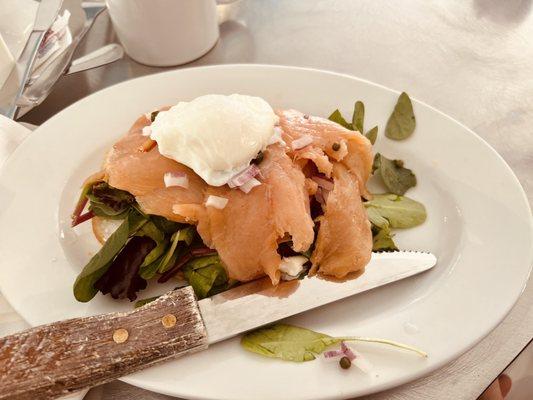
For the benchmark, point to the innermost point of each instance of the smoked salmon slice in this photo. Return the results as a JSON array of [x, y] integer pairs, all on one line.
[[246, 233], [344, 241], [355, 150]]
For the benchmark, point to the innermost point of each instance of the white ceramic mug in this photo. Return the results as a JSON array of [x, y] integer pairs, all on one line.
[[165, 32]]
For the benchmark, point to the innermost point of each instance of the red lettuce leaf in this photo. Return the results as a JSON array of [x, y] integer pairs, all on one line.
[[122, 279]]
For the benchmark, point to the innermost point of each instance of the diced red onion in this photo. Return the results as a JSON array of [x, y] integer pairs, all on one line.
[[246, 187], [216, 202], [333, 353], [323, 182], [244, 176], [347, 351], [176, 179], [202, 251], [301, 142], [147, 130]]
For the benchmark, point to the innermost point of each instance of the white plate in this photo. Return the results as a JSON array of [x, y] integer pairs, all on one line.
[[479, 226]]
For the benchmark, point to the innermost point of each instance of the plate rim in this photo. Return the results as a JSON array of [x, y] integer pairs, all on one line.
[[392, 382]]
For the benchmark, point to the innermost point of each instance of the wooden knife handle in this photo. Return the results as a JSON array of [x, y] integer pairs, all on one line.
[[53, 360]]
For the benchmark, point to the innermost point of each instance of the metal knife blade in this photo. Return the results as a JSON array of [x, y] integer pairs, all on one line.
[[259, 303], [46, 14], [14, 86]]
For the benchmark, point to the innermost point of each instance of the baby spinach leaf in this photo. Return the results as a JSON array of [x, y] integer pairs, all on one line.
[[149, 229], [399, 211], [337, 117], [136, 221], [84, 289], [375, 217], [151, 263], [122, 278], [382, 241], [372, 134], [395, 176], [206, 275], [166, 225], [292, 343], [358, 117], [402, 122]]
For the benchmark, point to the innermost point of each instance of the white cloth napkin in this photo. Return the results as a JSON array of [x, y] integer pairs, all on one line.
[[11, 135]]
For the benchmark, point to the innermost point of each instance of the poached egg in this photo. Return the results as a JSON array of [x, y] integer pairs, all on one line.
[[216, 136]]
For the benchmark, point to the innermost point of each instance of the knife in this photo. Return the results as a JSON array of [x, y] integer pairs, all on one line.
[[46, 15], [57, 359]]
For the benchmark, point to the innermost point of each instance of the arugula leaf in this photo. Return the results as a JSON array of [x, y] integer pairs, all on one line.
[[402, 122], [337, 117], [382, 241], [372, 134], [292, 343], [206, 275], [122, 278], [358, 117], [399, 211], [395, 176]]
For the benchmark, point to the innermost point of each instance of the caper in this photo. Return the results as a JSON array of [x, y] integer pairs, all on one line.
[[345, 363]]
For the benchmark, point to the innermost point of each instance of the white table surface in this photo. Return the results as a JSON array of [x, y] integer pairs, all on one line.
[[472, 59]]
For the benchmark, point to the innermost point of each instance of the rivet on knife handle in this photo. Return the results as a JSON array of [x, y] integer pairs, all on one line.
[[53, 360]]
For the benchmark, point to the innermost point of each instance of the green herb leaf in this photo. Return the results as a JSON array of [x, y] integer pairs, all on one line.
[[153, 260], [166, 225], [375, 217], [399, 211], [84, 289], [395, 176], [107, 201], [292, 343], [402, 122], [206, 275], [358, 117], [186, 236], [337, 117], [382, 241], [149, 229], [142, 302], [372, 134]]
